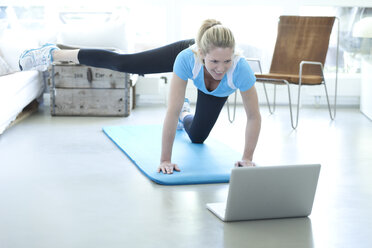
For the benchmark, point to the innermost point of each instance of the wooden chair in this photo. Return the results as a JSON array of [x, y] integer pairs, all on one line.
[[299, 55]]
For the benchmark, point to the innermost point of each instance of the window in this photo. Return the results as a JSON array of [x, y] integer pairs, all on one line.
[[352, 49]]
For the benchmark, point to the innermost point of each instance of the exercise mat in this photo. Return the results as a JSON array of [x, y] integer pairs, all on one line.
[[210, 162]]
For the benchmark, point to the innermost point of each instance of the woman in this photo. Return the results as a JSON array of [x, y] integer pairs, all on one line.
[[211, 63]]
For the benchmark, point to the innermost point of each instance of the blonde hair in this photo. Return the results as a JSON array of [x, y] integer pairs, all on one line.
[[213, 34]]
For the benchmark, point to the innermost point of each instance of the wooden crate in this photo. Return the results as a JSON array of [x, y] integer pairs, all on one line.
[[88, 91]]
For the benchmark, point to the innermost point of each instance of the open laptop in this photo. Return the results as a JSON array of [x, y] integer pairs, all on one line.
[[267, 192]]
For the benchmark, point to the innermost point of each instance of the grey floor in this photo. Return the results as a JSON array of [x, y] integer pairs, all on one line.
[[63, 183]]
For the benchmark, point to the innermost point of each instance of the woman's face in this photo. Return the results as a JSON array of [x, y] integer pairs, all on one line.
[[218, 61]]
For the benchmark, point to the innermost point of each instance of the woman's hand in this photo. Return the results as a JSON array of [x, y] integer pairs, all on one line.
[[175, 102], [167, 167], [244, 163]]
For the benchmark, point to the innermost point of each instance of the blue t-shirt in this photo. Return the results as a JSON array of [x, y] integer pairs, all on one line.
[[239, 76]]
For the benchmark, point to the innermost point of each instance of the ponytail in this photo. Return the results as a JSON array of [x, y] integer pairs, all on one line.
[[213, 34]]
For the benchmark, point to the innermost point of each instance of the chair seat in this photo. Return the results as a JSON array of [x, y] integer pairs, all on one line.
[[291, 78]]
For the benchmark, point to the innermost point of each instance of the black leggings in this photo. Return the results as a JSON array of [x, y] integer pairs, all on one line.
[[207, 110], [160, 60]]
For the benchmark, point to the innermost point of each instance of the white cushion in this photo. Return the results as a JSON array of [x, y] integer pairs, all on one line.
[[3, 25], [16, 91], [4, 67], [13, 43]]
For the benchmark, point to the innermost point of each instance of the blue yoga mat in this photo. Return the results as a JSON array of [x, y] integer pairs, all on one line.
[[210, 162]]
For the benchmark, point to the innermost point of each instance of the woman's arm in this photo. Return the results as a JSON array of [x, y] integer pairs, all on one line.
[[176, 99], [253, 126]]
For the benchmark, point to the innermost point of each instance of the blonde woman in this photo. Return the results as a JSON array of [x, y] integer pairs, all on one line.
[[211, 64]]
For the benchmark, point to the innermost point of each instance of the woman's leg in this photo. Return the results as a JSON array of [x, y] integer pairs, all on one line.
[[157, 60], [153, 61], [208, 108]]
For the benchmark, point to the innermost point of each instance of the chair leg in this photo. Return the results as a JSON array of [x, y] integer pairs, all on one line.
[[294, 123], [267, 99], [274, 105], [231, 120], [324, 82], [329, 105]]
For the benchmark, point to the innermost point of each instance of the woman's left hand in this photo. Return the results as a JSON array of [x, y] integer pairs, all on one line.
[[244, 163]]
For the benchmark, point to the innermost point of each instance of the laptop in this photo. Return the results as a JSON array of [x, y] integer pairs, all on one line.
[[268, 192]]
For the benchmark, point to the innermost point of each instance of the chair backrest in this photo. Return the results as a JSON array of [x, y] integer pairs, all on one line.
[[301, 38]]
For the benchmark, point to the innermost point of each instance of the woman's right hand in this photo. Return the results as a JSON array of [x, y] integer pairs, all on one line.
[[167, 167]]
